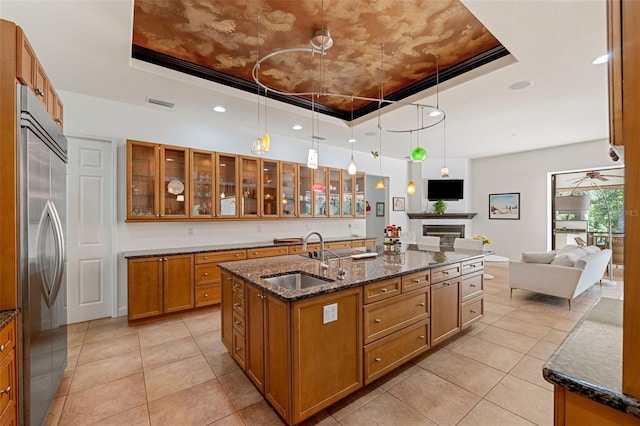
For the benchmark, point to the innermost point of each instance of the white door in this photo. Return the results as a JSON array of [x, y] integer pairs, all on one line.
[[90, 260]]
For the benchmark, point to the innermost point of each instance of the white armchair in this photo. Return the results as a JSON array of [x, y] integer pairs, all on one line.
[[467, 244], [428, 241]]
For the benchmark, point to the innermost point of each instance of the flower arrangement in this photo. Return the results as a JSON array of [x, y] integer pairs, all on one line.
[[484, 238]]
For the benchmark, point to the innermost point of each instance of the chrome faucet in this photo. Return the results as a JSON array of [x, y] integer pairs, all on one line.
[[341, 271], [323, 264]]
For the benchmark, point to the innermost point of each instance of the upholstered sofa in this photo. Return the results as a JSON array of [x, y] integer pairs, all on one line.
[[564, 273]]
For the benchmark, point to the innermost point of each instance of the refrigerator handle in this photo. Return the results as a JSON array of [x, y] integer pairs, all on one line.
[[50, 285]]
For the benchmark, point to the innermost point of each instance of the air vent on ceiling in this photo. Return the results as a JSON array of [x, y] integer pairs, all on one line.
[[161, 103]]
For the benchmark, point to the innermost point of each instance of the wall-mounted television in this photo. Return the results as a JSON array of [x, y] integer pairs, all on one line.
[[445, 189]]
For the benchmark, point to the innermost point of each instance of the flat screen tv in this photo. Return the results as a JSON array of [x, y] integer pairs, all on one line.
[[445, 189]]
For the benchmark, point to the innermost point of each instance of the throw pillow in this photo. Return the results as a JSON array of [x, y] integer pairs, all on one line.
[[591, 249], [566, 259], [538, 257], [567, 248]]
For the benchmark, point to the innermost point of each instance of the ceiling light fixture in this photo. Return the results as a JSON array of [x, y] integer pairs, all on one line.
[[219, 108], [444, 171], [258, 145], [600, 59], [520, 85], [296, 127], [352, 165], [418, 154]]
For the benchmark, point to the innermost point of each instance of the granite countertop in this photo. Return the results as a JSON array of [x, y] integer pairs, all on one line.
[[358, 271], [589, 360], [224, 247], [6, 317]]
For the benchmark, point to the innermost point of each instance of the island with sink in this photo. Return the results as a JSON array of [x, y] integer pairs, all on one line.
[[308, 331]]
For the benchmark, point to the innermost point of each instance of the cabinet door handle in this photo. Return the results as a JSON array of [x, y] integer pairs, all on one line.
[[421, 337], [165, 259], [383, 290], [39, 92], [473, 265], [472, 285], [417, 280], [228, 278], [238, 322], [472, 311], [421, 305], [237, 305], [206, 295], [205, 257], [261, 296], [237, 350], [237, 254], [58, 120], [235, 286], [7, 390], [160, 260], [378, 359], [377, 320], [2, 348]]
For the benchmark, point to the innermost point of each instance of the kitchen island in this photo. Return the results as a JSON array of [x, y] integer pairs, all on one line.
[[305, 348]]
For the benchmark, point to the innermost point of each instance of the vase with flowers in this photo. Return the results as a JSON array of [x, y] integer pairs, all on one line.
[[483, 238]]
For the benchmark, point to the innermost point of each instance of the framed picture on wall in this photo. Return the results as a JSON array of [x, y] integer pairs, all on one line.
[[504, 206], [398, 204], [379, 209]]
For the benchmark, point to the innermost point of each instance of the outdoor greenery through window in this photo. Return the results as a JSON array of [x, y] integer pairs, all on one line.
[[598, 220]]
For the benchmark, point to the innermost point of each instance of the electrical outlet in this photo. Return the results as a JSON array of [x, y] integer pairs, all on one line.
[[190, 231], [330, 313]]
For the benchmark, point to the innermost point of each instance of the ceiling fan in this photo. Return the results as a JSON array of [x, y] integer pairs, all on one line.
[[594, 175]]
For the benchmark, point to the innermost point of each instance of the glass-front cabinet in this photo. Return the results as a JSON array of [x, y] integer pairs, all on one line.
[[202, 184], [348, 183], [335, 199], [305, 192], [269, 196], [249, 187], [288, 179], [174, 166], [320, 191], [227, 185], [142, 176], [360, 195]]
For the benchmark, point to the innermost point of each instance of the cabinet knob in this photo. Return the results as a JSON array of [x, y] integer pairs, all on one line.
[[472, 311], [206, 295], [421, 305], [473, 265], [2, 348], [384, 290], [58, 120], [417, 280], [206, 274], [160, 260], [206, 257], [378, 359], [421, 337], [165, 259], [262, 296], [237, 254], [445, 272], [228, 278], [235, 286], [377, 320], [237, 322], [237, 305], [39, 92], [472, 285], [237, 350], [7, 390]]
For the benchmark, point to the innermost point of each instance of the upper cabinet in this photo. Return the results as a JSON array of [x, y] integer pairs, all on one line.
[[177, 183], [31, 73]]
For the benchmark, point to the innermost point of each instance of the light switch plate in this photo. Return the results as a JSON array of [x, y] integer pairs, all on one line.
[[330, 313]]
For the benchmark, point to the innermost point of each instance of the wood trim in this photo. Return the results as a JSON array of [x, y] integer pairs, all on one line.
[[630, 138], [558, 405], [10, 223], [614, 45]]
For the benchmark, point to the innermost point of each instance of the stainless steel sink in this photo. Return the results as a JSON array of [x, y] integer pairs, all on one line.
[[296, 280]]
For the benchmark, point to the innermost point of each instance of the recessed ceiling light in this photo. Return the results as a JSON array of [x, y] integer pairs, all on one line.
[[519, 85], [296, 127], [600, 59], [219, 108], [435, 113], [352, 140]]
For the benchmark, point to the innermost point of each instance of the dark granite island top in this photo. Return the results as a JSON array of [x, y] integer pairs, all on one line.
[[358, 271], [589, 361]]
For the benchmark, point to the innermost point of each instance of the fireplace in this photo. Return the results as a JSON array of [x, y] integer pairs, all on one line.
[[447, 233]]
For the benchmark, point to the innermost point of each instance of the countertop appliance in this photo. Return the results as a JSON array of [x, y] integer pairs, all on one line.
[[42, 337]]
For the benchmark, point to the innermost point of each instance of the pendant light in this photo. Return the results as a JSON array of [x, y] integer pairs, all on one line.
[[266, 140], [312, 156], [411, 187], [418, 154], [380, 183], [444, 171], [258, 145], [352, 165]]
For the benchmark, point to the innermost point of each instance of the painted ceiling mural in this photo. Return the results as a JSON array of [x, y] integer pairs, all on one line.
[[226, 37]]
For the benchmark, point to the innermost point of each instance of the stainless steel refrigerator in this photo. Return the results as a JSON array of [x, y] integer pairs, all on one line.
[[42, 158]]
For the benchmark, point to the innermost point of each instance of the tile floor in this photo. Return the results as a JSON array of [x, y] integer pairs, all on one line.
[[177, 372]]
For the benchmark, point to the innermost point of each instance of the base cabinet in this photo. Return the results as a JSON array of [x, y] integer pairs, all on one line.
[[8, 379], [445, 310], [573, 409]]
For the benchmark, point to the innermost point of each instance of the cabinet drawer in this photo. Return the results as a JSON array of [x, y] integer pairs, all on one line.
[[297, 249], [386, 354], [220, 256], [238, 287], [207, 295], [357, 243], [266, 252], [472, 311], [338, 245], [471, 286], [381, 290], [414, 281], [7, 338], [8, 380], [472, 266], [444, 273], [387, 316], [238, 322], [370, 243], [238, 304], [238, 348], [207, 273]]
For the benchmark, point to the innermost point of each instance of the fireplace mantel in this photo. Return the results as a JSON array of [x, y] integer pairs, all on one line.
[[441, 216]]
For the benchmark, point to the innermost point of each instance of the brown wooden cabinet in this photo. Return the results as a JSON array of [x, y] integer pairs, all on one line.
[[320, 190], [226, 312], [202, 184], [8, 377], [334, 204], [445, 310], [288, 185], [305, 191], [143, 173], [471, 292], [359, 191], [227, 192], [174, 184], [250, 187], [158, 285], [255, 335], [269, 189], [208, 277]]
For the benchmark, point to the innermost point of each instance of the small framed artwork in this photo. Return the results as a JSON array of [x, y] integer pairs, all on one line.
[[504, 206], [379, 209], [398, 204]]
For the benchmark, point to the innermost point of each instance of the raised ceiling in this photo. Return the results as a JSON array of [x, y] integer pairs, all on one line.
[[221, 41]]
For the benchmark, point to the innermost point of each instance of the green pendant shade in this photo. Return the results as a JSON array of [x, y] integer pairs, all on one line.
[[418, 154]]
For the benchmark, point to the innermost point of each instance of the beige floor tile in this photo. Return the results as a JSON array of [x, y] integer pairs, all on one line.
[[386, 410], [240, 389], [75, 338], [198, 405], [565, 324], [466, 373], [77, 327], [221, 363], [355, 401], [555, 336], [166, 353], [508, 339], [543, 350], [55, 411], [259, 414], [497, 308], [524, 399], [493, 355], [580, 307], [231, 420], [108, 348], [388, 381], [435, 398], [176, 376], [65, 383], [322, 418], [103, 401], [486, 413], [72, 356], [138, 416], [573, 315], [490, 317], [109, 321], [162, 333], [474, 329], [109, 332], [210, 342], [523, 327], [105, 370], [203, 322], [530, 369], [531, 317]]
